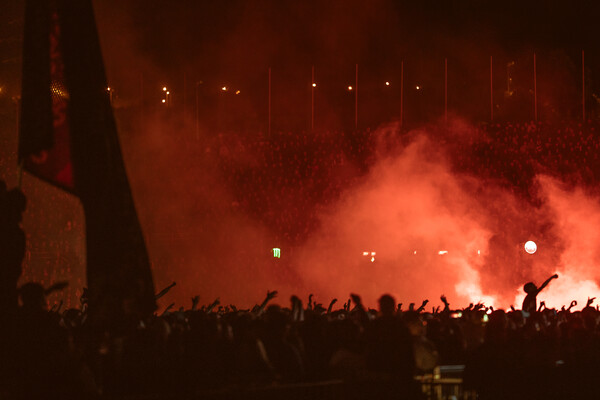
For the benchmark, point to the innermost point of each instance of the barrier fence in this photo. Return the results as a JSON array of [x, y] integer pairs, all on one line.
[[444, 383]]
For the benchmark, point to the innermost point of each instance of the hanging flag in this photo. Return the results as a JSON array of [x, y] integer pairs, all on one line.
[[68, 137]]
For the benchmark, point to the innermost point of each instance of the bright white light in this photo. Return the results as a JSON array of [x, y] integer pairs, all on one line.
[[417, 87], [415, 252], [530, 247], [370, 253], [314, 85], [164, 101], [350, 88], [387, 83], [442, 252], [168, 92], [164, 88], [224, 88], [478, 252]]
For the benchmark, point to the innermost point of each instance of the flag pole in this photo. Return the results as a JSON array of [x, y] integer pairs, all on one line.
[[401, 92], [583, 84], [269, 130], [312, 100], [184, 94], [446, 90], [491, 89], [356, 99], [535, 108]]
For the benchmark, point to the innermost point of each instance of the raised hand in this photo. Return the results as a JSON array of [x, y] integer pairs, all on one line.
[[169, 307], [195, 301], [590, 301], [271, 295], [444, 300], [356, 299], [333, 301], [164, 291], [213, 305]]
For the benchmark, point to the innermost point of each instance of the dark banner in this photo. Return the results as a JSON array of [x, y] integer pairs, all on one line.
[[69, 138]]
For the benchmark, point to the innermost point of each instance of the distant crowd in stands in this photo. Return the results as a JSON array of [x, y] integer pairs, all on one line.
[[297, 174]]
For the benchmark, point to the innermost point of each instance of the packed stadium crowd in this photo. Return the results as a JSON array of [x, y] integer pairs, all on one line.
[[531, 353]]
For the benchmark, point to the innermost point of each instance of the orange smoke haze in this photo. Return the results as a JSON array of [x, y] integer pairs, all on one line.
[[411, 200]]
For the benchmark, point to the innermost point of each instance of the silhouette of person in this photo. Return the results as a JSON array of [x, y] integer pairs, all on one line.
[[12, 245], [530, 301]]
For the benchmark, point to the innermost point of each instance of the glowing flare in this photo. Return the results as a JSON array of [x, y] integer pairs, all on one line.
[[276, 252], [350, 88], [530, 247], [442, 252], [387, 83], [164, 88], [314, 85], [224, 88]]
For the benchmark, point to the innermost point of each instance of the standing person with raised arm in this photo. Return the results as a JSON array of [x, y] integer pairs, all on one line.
[[530, 301]]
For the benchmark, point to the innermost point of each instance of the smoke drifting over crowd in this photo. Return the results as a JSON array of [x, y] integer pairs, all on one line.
[[212, 207], [410, 206]]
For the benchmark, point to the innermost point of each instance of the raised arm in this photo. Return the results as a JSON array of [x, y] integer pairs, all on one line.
[[268, 297], [546, 282], [420, 309]]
